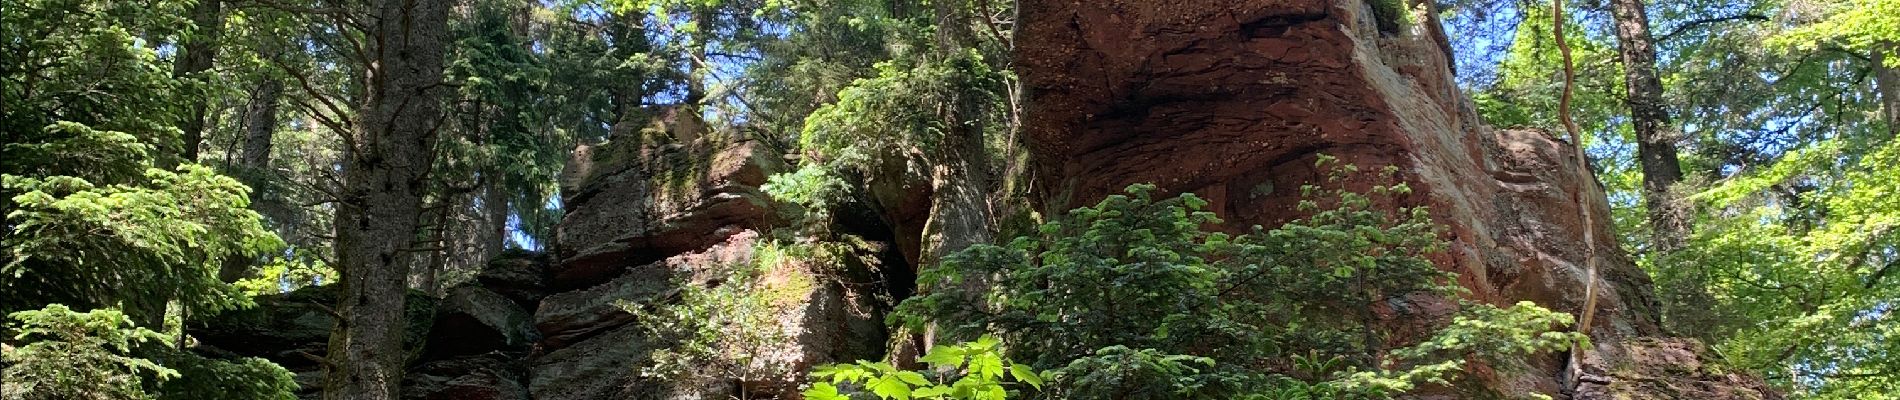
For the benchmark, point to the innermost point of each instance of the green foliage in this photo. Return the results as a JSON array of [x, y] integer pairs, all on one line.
[[70, 355], [1787, 176], [102, 354], [893, 115], [1118, 369], [968, 371], [76, 150], [727, 320], [1826, 281], [1530, 78], [1133, 295], [503, 132], [811, 188], [201, 378], [88, 63], [1391, 15], [286, 274], [101, 214], [1860, 25], [100, 246]]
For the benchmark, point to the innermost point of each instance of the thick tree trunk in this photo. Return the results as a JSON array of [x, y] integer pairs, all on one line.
[[384, 177], [193, 57], [1655, 148], [260, 124], [960, 212]]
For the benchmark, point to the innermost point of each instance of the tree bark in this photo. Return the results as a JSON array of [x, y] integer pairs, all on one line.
[[1656, 148], [260, 124], [1656, 152], [688, 124], [1887, 82], [494, 223], [195, 55], [960, 213], [385, 175], [260, 127]]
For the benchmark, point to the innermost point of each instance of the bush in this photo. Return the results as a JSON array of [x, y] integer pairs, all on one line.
[[70, 355], [968, 371], [1135, 298], [102, 355]]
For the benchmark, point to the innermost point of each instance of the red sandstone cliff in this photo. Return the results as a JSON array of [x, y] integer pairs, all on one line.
[[1234, 100]]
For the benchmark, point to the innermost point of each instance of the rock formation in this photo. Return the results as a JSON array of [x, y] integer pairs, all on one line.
[[1232, 100], [641, 221], [1235, 100]]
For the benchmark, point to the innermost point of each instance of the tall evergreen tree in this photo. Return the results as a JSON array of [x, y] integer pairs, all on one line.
[[385, 171]]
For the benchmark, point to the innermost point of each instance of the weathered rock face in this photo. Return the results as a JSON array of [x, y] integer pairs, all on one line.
[[642, 223], [630, 206], [1235, 100], [1659, 368], [293, 330], [644, 220], [475, 320]]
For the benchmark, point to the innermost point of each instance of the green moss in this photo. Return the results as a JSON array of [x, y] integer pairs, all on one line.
[[1391, 15]]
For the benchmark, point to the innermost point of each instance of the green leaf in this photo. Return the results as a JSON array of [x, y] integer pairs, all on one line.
[[985, 343], [823, 391], [943, 356], [912, 378], [1024, 374], [929, 392], [891, 387], [986, 365]]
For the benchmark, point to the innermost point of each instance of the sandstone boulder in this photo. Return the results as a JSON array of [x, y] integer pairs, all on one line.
[[640, 205], [491, 376], [475, 320], [605, 366], [519, 276]]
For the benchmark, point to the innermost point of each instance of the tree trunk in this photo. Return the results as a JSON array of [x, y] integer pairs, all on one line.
[[494, 223], [960, 172], [687, 125], [1656, 149], [1887, 82], [960, 214], [384, 180], [260, 126], [195, 56]]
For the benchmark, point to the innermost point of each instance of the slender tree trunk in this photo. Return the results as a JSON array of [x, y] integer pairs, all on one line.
[[438, 227], [494, 223], [385, 175], [1656, 151], [260, 127], [687, 123], [1655, 148], [195, 56], [1887, 81]]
